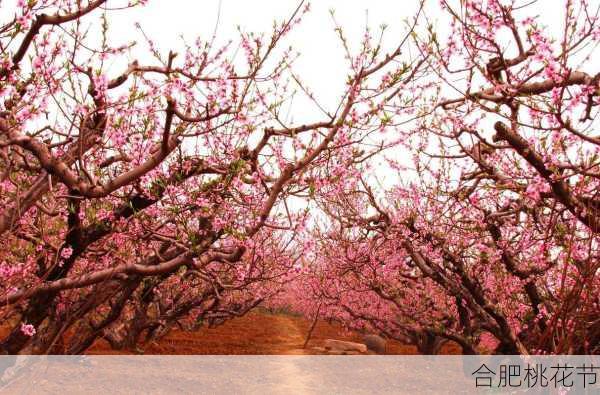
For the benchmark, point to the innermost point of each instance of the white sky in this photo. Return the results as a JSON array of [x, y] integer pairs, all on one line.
[[322, 64]]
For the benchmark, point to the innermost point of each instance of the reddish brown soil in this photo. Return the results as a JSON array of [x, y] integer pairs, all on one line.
[[257, 333]]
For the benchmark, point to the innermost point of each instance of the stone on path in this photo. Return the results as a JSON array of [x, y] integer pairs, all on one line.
[[332, 345]]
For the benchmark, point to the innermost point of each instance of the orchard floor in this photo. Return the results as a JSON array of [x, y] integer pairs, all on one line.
[[258, 332]]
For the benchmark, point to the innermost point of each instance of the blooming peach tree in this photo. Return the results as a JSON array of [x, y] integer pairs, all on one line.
[[491, 238], [157, 195], [174, 192]]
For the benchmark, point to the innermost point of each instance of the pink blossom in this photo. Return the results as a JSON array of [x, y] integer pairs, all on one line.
[[27, 329], [66, 252]]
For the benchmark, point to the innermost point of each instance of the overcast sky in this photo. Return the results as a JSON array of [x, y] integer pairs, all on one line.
[[321, 65]]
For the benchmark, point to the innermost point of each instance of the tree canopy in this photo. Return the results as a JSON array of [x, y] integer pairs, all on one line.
[[175, 193]]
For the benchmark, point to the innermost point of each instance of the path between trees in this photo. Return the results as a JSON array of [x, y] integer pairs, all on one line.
[[256, 333]]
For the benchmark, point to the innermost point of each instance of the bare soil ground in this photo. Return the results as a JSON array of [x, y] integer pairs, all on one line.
[[257, 333]]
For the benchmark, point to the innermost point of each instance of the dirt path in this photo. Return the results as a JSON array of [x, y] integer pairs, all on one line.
[[293, 379], [295, 338], [284, 372], [257, 333]]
